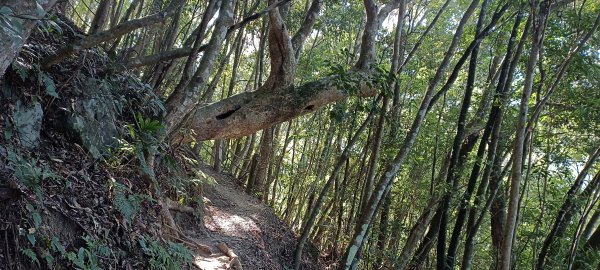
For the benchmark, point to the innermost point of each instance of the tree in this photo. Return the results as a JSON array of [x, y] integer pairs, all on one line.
[[368, 116]]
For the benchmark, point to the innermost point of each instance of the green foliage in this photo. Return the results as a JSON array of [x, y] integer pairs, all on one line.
[[31, 255], [12, 26], [125, 202], [168, 257], [11, 23], [28, 171], [142, 140], [46, 81], [86, 258]]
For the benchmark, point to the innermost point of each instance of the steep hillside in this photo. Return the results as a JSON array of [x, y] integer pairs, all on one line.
[[74, 187]]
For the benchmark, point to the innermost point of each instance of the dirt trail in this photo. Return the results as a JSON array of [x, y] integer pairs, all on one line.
[[246, 226]]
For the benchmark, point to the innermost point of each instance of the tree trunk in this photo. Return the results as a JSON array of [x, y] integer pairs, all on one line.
[[314, 211], [494, 122], [566, 212], [100, 17], [539, 22], [446, 261], [264, 158], [12, 39]]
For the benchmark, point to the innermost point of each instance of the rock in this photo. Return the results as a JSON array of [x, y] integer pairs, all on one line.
[[28, 123], [93, 118]]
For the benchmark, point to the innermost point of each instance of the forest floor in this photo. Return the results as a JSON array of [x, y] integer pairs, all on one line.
[[246, 226], [71, 202]]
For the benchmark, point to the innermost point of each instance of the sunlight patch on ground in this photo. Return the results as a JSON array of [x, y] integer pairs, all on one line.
[[229, 224], [212, 262]]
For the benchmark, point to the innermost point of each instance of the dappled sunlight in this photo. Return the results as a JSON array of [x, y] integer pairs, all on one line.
[[229, 224], [211, 262]]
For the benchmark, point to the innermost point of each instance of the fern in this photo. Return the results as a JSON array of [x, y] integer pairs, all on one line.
[[127, 205], [171, 257]]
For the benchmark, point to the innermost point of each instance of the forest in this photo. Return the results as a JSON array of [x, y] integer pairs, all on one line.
[[299, 134]]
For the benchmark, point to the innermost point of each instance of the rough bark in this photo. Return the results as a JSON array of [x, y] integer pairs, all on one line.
[[248, 112], [11, 40]]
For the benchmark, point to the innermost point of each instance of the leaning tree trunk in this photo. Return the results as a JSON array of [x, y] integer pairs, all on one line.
[[539, 21], [392, 169], [446, 261], [566, 212], [13, 38], [493, 127], [314, 211]]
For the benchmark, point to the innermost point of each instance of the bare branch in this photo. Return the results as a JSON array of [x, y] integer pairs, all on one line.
[[187, 50], [110, 34]]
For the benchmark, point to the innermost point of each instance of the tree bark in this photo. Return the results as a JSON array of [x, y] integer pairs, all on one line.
[[11, 40], [539, 22]]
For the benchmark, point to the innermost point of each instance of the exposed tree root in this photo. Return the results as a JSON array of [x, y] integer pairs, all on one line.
[[172, 205], [175, 233], [234, 263]]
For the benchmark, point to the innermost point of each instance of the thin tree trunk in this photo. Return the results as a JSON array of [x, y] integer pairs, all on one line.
[[494, 122], [461, 216], [264, 158], [392, 169], [335, 173], [446, 261], [539, 22], [566, 212], [100, 17]]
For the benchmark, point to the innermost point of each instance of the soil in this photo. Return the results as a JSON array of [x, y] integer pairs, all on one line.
[[246, 226], [81, 199]]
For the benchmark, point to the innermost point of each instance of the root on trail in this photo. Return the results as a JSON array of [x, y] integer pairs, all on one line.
[[175, 233], [235, 260]]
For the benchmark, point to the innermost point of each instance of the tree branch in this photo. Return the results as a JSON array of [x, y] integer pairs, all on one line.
[[248, 112], [307, 25], [117, 31], [187, 50]]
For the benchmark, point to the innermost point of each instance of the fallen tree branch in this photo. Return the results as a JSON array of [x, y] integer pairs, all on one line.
[[248, 112]]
